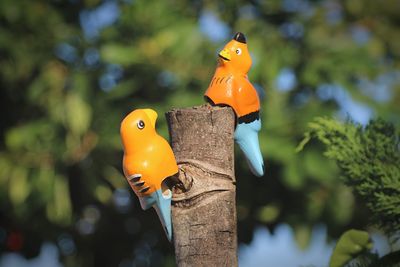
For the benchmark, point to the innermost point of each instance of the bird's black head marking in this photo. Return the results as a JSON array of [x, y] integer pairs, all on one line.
[[240, 37]]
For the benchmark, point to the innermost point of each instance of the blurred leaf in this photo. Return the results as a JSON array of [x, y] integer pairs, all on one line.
[[268, 213], [5, 167], [342, 204], [351, 244], [78, 114], [34, 136], [115, 177], [59, 209], [316, 168], [44, 183], [103, 194], [120, 54], [19, 187], [303, 236], [292, 176]]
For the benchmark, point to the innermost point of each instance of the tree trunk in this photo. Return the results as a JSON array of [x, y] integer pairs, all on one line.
[[203, 202]]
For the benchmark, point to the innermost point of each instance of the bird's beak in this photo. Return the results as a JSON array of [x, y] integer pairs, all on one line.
[[225, 55], [152, 116]]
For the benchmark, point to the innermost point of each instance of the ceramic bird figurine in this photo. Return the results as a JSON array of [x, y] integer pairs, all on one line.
[[148, 161], [231, 86]]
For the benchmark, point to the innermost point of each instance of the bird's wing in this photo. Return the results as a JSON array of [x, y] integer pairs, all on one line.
[[167, 162], [246, 97]]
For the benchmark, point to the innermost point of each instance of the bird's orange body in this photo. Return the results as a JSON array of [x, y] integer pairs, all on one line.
[[230, 84], [146, 153]]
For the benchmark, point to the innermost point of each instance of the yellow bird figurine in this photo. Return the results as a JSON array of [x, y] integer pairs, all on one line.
[[230, 86], [148, 161]]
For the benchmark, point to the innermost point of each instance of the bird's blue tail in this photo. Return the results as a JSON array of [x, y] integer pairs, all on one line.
[[163, 209], [162, 204], [246, 136]]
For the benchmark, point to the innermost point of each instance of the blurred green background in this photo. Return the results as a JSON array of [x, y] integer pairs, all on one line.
[[71, 70]]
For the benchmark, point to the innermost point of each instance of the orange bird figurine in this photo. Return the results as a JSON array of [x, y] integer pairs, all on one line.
[[148, 162], [231, 86]]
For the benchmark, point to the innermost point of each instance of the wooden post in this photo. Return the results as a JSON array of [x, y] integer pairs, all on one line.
[[203, 202]]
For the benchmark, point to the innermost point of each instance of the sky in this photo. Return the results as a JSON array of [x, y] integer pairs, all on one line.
[[281, 249]]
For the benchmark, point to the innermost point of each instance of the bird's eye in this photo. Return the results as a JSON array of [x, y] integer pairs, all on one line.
[[238, 51], [140, 124]]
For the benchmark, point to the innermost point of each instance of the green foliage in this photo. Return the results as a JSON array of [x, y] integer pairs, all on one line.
[[390, 260], [369, 159], [351, 244], [354, 250]]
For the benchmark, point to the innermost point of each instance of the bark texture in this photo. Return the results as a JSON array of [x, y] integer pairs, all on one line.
[[203, 202]]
